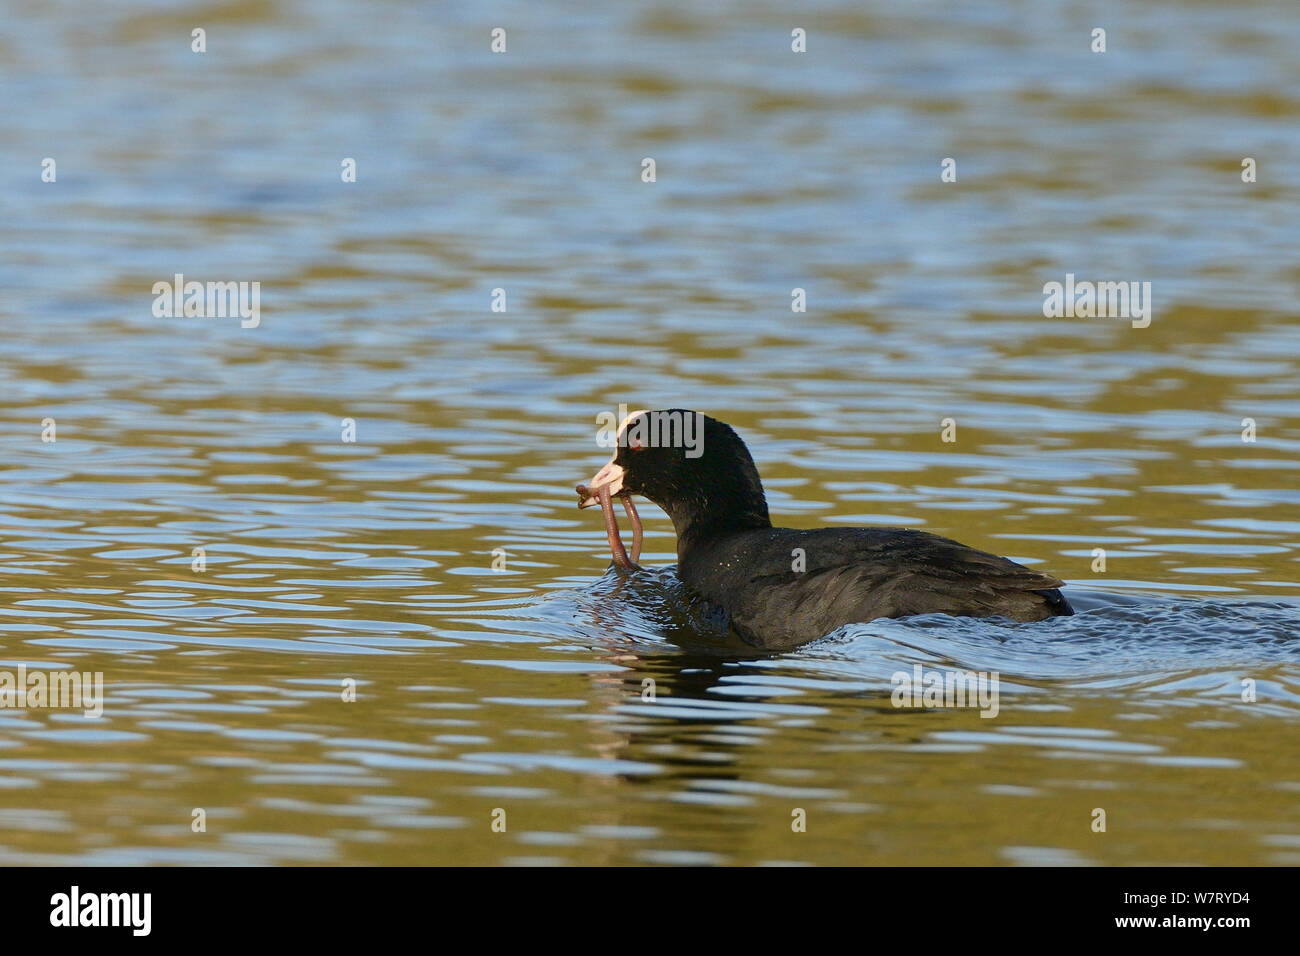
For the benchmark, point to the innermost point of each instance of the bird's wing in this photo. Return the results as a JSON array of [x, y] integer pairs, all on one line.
[[869, 575]]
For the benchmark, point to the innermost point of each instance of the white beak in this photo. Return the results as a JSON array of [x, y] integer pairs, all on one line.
[[611, 477]]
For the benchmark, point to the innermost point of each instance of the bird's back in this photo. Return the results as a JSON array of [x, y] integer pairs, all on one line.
[[785, 587]]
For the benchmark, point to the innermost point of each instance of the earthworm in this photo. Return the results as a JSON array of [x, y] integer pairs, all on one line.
[[635, 519], [611, 528]]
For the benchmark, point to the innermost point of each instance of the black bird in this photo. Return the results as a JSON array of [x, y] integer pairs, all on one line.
[[783, 587]]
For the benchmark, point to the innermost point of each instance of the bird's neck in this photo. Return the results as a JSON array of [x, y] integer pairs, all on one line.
[[701, 519]]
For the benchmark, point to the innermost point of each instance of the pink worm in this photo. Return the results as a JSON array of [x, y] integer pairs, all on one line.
[[611, 528], [635, 520]]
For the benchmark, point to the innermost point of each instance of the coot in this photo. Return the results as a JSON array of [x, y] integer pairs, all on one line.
[[783, 587]]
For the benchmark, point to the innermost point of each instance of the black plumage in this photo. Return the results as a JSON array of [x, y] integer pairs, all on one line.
[[783, 587]]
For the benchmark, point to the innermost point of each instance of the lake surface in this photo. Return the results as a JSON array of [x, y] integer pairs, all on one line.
[[524, 688]]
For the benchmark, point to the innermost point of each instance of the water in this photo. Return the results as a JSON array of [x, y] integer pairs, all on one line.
[[525, 689]]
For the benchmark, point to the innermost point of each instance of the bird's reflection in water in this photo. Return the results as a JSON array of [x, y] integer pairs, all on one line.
[[664, 707]]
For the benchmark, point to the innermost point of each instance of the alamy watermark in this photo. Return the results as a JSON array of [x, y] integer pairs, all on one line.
[[211, 300], [56, 690], [663, 429], [934, 688], [1103, 300]]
